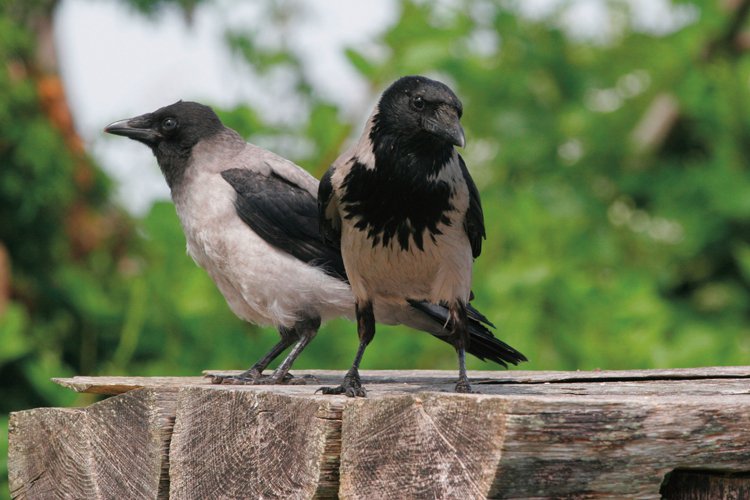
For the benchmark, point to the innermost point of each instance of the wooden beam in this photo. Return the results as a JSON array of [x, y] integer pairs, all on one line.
[[114, 446], [412, 379], [528, 434], [241, 443]]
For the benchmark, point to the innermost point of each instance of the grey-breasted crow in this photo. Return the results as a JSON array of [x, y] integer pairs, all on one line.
[[406, 214], [250, 218]]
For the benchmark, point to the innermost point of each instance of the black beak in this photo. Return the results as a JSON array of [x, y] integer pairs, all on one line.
[[135, 128], [447, 125]]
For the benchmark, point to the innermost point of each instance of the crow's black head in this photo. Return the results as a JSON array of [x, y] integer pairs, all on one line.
[[420, 110], [170, 132]]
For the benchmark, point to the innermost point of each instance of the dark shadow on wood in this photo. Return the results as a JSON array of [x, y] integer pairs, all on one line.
[[698, 484]]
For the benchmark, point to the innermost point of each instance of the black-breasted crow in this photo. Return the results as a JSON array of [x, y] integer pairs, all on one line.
[[250, 218], [406, 214]]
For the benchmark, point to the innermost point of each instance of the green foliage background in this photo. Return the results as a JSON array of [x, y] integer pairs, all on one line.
[[606, 248]]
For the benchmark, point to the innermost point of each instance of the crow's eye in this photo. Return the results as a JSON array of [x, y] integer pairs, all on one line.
[[418, 103], [168, 124]]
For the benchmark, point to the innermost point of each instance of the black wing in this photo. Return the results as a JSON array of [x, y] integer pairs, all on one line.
[[474, 221], [330, 229], [284, 215]]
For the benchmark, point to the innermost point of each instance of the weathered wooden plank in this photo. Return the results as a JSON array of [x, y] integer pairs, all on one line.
[[528, 434], [44, 456], [111, 386], [421, 446], [616, 448], [113, 446], [240, 443], [451, 446], [117, 385]]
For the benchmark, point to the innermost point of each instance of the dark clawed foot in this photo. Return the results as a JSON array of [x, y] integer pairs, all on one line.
[[349, 392], [464, 387], [351, 388]]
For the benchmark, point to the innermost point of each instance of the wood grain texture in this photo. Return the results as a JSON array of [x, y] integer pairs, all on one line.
[[241, 443], [536, 446], [615, 448], [421, 446], [46, 458], [413, 379], [112, 446], [526, 435]]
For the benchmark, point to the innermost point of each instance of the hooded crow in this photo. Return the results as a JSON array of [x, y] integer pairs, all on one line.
[[407, 216], [250, 218]]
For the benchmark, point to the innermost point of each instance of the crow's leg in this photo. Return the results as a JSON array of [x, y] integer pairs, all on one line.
[[352, 385], [460, 334], [306, 331], [254, 374]]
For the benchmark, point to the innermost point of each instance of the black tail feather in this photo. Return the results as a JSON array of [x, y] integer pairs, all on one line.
[[482, 343], [477, 316]]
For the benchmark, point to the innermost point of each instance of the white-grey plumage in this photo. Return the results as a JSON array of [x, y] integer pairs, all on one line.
[[253, 275], [404, 209], [250, 219]]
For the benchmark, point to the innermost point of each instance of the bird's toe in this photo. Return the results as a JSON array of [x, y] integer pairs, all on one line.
[[356, 392], [330, 390], [348, 390], [464, 387]]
